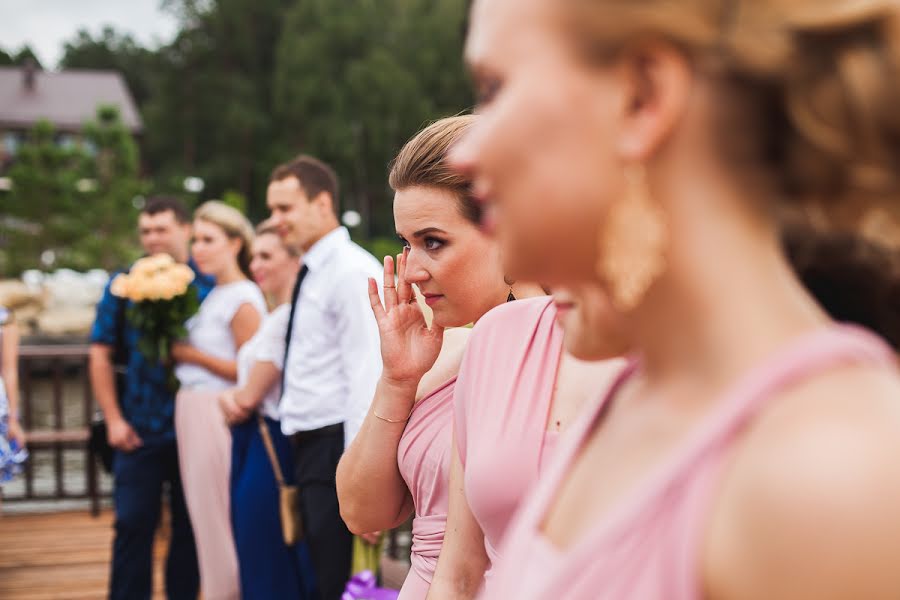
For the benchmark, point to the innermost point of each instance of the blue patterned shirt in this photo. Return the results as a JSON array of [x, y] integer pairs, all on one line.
[[147, 404]]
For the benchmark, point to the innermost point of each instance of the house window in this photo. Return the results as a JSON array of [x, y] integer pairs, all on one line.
[[89, 147], [11, 143], [67, 141]]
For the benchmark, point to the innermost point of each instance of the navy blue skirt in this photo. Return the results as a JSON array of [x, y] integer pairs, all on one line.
[[268, 568]]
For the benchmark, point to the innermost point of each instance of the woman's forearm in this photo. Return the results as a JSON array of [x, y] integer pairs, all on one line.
[[368, 470], [262, 377]]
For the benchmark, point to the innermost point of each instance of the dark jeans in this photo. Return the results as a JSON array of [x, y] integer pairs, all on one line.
[[316, 455], [139, 478]]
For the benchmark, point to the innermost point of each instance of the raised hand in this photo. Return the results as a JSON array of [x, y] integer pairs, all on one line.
[[408, 347]]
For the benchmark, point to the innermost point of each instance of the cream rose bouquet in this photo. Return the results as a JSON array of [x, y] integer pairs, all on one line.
[[162, 300]]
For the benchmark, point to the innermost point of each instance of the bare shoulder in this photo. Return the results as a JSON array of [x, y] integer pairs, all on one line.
[[447, 365], [808, 504]]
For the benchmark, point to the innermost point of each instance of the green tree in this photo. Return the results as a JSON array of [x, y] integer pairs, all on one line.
[[354, 80], [18, 58], [24, 54], [210, 114], [247, 84], [74, 200], [114, 51], [113, 168], [43, 212]]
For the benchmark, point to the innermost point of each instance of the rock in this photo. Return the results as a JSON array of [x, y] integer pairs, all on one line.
[[34, 279], [69, 288], [52, 305], [70, 320], [28, 314], [15, 295]]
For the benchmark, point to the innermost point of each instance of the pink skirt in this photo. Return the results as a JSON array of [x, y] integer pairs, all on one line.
[[204, 456]]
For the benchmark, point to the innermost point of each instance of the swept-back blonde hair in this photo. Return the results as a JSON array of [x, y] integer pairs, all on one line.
[[233, 223], [423, 162], [809, 89]]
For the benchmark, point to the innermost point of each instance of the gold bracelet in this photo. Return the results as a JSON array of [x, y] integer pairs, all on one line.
[[386, 420]]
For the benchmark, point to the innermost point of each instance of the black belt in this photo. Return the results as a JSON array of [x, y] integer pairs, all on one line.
[[301, 436]]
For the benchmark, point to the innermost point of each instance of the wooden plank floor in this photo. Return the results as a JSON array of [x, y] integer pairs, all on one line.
[[66, 556], [61, 556]]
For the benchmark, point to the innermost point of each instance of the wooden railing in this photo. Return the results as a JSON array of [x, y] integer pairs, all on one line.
[[39, 362], [58, 362]]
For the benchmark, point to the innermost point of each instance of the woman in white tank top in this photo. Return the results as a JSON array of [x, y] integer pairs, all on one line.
[[206, 365]]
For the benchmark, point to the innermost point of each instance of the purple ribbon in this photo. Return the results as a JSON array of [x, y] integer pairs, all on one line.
[[362, 587]]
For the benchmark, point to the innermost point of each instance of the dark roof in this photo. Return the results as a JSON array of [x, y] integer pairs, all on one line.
[[65, 98]]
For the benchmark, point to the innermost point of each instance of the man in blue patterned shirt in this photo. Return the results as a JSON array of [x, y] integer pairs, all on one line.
[[139, 415]]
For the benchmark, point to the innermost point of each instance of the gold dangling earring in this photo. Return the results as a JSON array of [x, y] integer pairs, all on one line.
[[632, 243]]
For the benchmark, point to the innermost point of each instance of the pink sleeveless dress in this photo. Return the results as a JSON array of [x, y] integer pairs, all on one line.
[[423, 457], [648, 546], [503, 397]]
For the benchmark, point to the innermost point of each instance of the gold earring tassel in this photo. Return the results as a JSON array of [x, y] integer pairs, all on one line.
[[632, 243]]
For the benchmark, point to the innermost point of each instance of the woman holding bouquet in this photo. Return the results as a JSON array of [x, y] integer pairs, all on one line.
[[268, 567], [207, 365]]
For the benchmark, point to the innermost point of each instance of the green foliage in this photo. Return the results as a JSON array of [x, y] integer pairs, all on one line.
[[73, 199], [43, 207], [380, 247], [115, 51], [354, 82], [115, 167], [235, 199], [161, 323], [243, 86], [24, 54], [248, 84]]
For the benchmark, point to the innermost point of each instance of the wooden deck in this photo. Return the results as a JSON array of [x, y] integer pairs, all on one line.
[[66, 556], [61, 556]]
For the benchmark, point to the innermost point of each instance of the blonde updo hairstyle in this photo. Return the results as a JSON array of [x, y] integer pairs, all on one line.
[[809, 89], [423, 162], [234, 224]]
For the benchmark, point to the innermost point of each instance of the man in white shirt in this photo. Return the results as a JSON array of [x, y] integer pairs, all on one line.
[[333, 357]]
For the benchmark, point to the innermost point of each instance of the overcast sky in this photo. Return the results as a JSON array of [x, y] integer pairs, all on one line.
[[46, 24]]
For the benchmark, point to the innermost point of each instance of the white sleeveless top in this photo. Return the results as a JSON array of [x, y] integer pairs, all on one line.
[[210, 332], [266, 346]]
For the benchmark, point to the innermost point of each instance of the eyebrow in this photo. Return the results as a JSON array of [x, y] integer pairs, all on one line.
[[425, 231]]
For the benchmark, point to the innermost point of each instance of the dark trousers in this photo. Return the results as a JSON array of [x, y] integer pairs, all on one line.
[[316, 455], [138, 489]]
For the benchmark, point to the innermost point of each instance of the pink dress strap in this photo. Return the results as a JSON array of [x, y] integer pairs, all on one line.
[[648, 545], [503, 397]]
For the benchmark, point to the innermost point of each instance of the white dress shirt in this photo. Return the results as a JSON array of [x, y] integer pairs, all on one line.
[[334, 360]]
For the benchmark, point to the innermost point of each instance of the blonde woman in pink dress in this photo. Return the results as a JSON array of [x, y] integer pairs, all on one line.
[[750, 448], [399, 462]]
